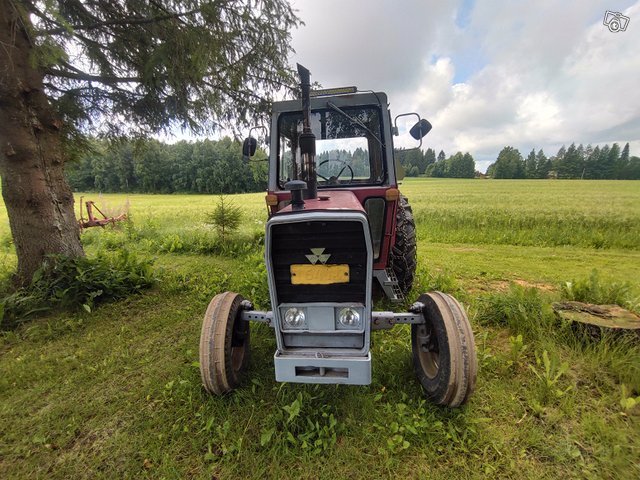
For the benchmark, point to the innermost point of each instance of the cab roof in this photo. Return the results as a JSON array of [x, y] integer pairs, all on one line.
[[361, 98]]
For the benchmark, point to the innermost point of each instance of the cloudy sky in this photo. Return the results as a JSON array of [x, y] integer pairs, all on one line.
[[486, 74]]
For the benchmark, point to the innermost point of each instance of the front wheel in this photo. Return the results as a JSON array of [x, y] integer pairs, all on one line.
[[444, 351], [224, 344]]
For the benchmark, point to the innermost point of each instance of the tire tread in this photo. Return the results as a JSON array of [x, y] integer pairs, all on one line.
[[456, 377], [216, 368]]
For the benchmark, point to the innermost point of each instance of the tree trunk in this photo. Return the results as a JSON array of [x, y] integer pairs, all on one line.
[[38, 199]]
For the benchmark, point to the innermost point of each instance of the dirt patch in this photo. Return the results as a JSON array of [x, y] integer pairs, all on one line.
[[540, 286], [502, 286], [499, 341], [484, 286]]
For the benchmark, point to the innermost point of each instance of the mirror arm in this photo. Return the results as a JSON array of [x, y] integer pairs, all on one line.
[[251, 144], [394, 129], [423, 127], [395, 122], [261, 127]]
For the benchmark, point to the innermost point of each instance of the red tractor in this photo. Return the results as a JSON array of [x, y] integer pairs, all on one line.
[[338, 229]]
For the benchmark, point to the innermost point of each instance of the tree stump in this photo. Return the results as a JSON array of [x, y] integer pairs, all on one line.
[[597, 319]]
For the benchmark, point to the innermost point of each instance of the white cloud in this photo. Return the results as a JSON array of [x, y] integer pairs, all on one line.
[[374, 44], [554, 74], [537, 74], [527, 74]]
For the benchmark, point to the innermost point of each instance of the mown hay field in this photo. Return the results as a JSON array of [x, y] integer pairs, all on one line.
[[115, 393]]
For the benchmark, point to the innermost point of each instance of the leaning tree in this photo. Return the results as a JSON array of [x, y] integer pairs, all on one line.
[[72, 68]]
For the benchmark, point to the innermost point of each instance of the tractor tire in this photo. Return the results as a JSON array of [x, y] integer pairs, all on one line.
[[403, 258], [444, 351], [224, 344]]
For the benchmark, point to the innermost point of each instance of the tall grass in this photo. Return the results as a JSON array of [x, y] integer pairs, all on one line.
[[151, 236], [498, 226], [525, 311], [588, 214]]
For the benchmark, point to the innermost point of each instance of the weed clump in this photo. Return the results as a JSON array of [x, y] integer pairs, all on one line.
[[308, 423], [549, 371], [593, 290], [523, 310], [76, 282], [442, 281]]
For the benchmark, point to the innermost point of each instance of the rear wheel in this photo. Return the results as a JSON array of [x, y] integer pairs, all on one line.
[[444, 351], [224, 344], [403, 258]]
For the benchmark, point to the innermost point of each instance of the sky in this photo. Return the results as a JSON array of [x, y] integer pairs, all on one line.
[[486, 74]]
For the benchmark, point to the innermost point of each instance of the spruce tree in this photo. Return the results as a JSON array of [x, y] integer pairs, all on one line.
[[120, 67], [543, 165], [530, 165], [611, 161]]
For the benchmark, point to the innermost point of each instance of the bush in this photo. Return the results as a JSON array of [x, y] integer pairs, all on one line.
[[77, 282]]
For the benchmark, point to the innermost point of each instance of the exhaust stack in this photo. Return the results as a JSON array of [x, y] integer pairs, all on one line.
[[307, 140]]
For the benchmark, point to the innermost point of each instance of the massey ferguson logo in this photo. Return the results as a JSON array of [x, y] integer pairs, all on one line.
[[317, 254]]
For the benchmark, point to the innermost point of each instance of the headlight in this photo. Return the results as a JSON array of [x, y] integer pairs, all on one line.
[[349, 318], [294, 318]]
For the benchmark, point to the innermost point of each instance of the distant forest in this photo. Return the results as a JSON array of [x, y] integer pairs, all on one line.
[[215, 167], [418, 163], [608, 162], [151, 166], [573, 162]]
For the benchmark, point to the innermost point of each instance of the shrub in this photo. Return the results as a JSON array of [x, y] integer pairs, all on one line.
[[77, 282]]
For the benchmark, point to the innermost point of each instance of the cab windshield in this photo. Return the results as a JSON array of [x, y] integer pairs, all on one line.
[[348, 147]]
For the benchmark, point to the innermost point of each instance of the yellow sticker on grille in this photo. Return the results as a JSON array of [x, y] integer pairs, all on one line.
[[319, 274]]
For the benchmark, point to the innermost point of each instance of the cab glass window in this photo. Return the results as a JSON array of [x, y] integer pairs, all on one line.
[[348, 150]]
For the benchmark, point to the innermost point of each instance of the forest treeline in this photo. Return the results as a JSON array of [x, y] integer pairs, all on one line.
[[151, 166], [417, 163], [608, 162], [213, 167], [210, 166]]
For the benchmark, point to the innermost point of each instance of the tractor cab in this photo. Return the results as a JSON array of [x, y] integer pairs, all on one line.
[[353, 135], [338, 229]]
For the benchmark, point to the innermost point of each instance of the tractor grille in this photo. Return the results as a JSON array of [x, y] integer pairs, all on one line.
[[343, 240]]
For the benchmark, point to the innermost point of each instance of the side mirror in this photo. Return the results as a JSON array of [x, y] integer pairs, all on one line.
[[420, 129], [249, 147]]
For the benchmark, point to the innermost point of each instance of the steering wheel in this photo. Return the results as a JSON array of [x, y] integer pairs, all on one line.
[[333, 179]]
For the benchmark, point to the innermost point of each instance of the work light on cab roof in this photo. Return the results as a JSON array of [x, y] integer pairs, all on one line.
[[339, 234]]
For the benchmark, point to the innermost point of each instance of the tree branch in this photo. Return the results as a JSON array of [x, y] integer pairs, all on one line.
[[79, 75], [129, 21]]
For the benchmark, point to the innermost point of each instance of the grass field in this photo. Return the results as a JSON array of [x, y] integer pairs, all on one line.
[[116, 393]]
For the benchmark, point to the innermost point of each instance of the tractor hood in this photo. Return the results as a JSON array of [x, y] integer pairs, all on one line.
[[329, 200]]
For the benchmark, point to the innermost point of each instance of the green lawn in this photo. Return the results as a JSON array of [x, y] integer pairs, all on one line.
[[116, 393]]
